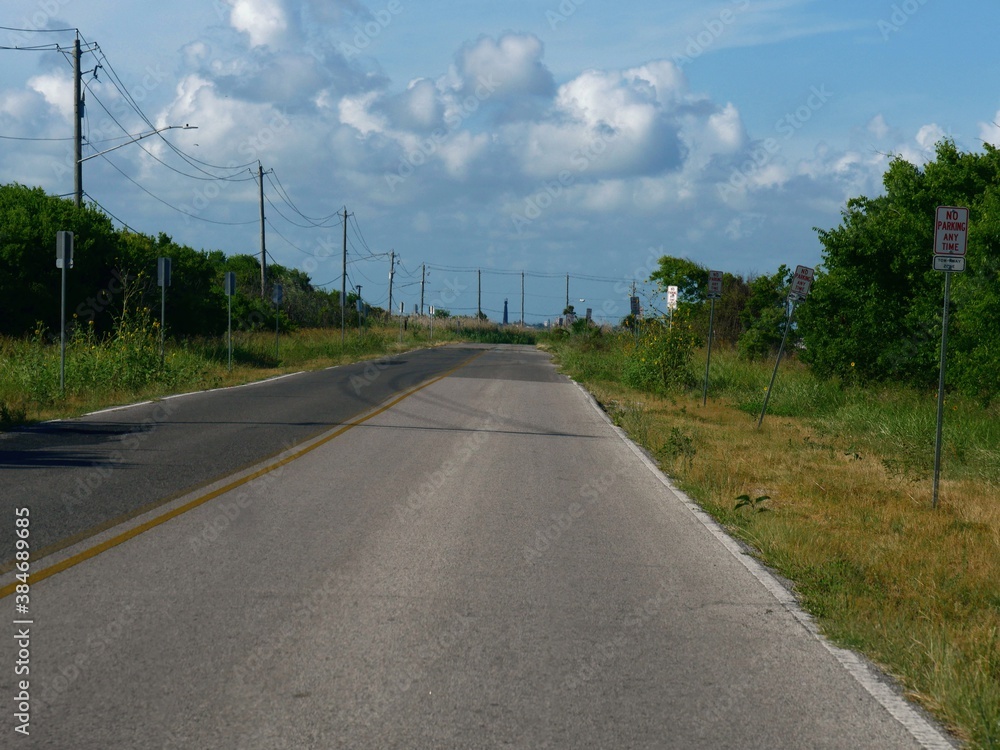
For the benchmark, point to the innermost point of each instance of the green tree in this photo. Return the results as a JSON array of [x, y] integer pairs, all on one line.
[[764, 315], [29, 280], [876, 306]]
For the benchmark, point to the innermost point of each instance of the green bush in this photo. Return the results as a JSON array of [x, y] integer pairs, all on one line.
[[661, 359]]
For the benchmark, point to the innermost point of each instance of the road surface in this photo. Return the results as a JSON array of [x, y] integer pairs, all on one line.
[[459, 552]]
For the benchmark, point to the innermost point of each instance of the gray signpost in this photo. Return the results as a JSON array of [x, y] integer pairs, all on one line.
[[714, 293], [229, 282], [163, 281], [277, 296], [801, 284], [64, 260], [951, 233]]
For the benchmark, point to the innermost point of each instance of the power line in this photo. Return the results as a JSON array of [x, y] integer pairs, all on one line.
[[170, 205], [37, 31]]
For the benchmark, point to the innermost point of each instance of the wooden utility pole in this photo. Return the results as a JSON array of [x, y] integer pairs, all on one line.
[[263, 250], [392, 272], [343, 283], [522, 299], [77, 126]]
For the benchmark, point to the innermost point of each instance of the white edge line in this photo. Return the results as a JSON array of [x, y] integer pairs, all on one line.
[[923, 731], [184, 395]]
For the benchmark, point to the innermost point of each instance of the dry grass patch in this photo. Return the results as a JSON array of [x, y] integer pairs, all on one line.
[[916, 589]]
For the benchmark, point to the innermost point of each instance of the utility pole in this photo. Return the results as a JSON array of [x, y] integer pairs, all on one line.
[[343, 282], [263, 250], [392, 272], [522, 299], [567, 291], [479, 295], [423, 278], [77, 125]]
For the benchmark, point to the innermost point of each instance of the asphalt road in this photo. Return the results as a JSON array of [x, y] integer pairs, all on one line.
[[82, 475], [484, 563]]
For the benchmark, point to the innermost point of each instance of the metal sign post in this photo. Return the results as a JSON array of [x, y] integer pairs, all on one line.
[[951, 234], [801, 284], [714, 293], [277, 295], [163, 280], [671, 303], [64, 260], [229, 282]]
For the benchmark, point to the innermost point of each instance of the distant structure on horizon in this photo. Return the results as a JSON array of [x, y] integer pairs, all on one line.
[[505, 312]]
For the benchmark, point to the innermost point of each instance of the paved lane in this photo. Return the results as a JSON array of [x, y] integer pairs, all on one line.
[[484, 564], [81, 475]]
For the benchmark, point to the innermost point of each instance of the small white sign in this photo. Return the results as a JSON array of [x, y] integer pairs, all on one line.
[[801, 283], [671, 298], [715, 284], [953, 263]]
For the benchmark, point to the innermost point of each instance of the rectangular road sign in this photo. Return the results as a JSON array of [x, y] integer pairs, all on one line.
[[715, 284], [954, 263], [801, 283], [951, 235], [671, 298], [951, 230]]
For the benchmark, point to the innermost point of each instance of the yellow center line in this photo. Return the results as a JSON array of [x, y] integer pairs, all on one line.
[[104, 546]]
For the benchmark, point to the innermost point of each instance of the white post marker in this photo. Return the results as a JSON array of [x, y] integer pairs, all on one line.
[[951, 238], [229, 282], [671, 303], [163, 281], [64, 260], [799, 290]]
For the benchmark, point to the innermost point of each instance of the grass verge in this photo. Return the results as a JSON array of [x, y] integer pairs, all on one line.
[[848, 519]]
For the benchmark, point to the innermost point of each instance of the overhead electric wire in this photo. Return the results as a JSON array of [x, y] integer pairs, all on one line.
[[210, 178], [105, 210], [313, 220], [123, 90], [170, 205], [38, 31]]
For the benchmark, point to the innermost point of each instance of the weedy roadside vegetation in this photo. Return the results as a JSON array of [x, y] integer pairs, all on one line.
[[846, 472]]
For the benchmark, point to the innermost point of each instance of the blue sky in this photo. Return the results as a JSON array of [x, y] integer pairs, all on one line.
[[582, 138]]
